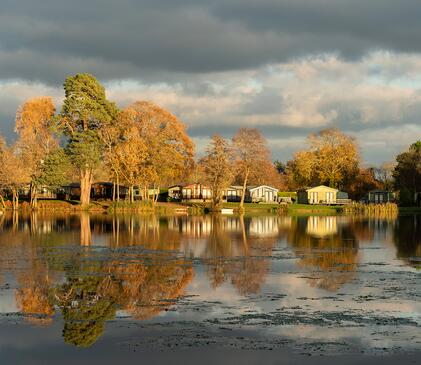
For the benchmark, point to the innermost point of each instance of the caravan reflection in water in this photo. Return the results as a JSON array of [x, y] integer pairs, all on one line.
[[272, 275]]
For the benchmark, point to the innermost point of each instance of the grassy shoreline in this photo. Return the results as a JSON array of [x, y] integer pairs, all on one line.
[[166, 207]]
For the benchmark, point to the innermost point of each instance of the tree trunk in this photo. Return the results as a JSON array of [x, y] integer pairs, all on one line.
[[2, 202], [216, 198], [33, 196], [155, 196], [118, 187], [113, 198], [85, 187], [244, 188], [131, 194], [15, 199]]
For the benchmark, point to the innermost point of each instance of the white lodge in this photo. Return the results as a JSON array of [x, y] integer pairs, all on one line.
[[263, 193], [255, 194], [322, 195]]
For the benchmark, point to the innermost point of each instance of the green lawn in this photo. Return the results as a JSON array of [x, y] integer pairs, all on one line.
[[253, 206], [312, 209]]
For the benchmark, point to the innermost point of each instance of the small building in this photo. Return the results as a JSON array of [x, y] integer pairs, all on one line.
[[69, 192], [43, 192], [379, 197], [139, 193], [263, 194], [99, 191], [254, 194], [322, 195], [175, 192], [233, 194], [196, 192], [102, 190]]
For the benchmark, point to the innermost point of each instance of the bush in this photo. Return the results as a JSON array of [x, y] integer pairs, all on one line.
[[143, 205], [286, 194], [406, 198]]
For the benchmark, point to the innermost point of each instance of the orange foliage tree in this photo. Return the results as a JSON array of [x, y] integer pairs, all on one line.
[[252, 153], [34, 126], [332, 159]]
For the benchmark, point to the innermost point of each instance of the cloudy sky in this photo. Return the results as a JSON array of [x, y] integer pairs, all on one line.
[[288, 67]]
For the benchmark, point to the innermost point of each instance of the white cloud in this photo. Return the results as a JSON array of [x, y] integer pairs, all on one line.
[[369, 98]]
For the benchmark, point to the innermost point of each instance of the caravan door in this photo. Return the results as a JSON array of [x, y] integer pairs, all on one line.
[[314, 197]]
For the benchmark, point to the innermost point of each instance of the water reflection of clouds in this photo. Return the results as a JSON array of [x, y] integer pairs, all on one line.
[[321, 264]]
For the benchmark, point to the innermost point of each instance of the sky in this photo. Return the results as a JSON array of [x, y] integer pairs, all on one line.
[[287, 67]]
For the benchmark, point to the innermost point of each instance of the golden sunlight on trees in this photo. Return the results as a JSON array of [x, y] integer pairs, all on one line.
[[85, 111], [169, 149], [217, 168], [15, 174], [365, 180], [34, 126], [34, 121], [129, 153], [251, 153], [145, 148], [332, 159]]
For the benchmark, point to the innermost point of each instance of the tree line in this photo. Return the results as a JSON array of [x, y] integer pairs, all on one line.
[[144, 145], [333, 158]]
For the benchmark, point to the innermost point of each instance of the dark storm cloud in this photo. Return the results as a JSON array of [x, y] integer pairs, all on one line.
[[131, 39], [287, 67]]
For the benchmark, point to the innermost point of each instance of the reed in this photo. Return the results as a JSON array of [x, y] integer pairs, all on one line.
[[378, 210], [123, 206]]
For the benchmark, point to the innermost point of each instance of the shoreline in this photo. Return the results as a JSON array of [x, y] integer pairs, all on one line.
[[186, 207]]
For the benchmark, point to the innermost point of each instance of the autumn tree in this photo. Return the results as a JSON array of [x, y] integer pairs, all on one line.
[[112, 135], [332, 159], [85, 111], [407, 173], [34, 126], [384, 174], [365, 180], [14, 174], [251, 152], [217, 167], [269, 175], [169, 148], [130, 155]]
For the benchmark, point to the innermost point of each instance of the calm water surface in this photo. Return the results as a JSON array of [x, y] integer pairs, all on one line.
[[318, 285]]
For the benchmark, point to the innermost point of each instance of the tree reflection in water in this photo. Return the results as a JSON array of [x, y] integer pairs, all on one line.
[[90, 266], [86, 303], [324, 244], [407, 238], [32, 295]]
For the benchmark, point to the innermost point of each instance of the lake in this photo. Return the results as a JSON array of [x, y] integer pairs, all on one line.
[[167, 289]]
